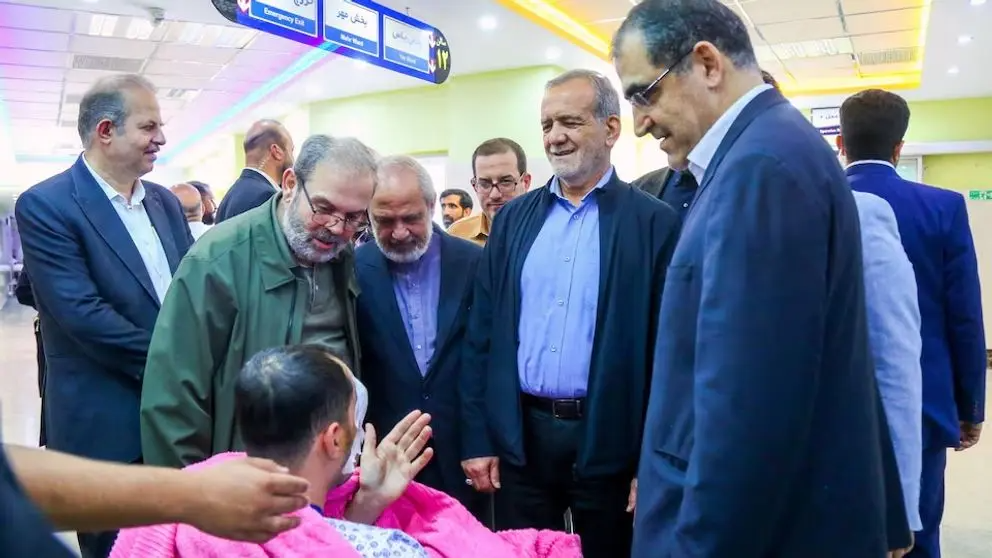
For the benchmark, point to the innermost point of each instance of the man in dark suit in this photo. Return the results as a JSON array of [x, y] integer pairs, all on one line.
[[101, 247], [268, 154], [765, 434], [563, 316], [933, 224], [415, 282]]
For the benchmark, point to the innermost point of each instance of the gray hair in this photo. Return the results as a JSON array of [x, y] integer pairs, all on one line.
[[105, 101], [405, 162], [670, 29], [607, 99], [346, 155]]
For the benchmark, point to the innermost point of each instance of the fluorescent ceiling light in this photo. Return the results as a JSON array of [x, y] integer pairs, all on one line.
[[360, 64], [553, 53], [487, 23], [140, 29], [102, 25], [813, 49], [953, 70], [964, 39], [977, 2]]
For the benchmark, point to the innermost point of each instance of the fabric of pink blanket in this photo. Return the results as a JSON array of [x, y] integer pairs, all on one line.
[[438, 522], [447, 530]]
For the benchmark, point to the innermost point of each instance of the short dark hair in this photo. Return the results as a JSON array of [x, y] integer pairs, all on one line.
[[285, 396], [768, 78], [497, 146], [872, 123], [671, 28], [464, 200], [105, 101]]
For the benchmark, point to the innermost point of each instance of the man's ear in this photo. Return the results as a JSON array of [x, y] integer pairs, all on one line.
[[897, 153], [288, 184], [839, 141], [333, 442], [613, 128], [525, 180]]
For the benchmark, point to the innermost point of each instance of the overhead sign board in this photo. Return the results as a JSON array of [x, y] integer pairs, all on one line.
[[358, 29], [826, 120]]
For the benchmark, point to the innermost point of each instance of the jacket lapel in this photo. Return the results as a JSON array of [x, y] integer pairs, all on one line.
[[453, 284], [156, 213], [383, 298], [100, 212], [608, 201]]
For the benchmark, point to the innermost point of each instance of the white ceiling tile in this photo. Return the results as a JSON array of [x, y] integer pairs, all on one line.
[[20, 16], [896, 68], [243, 73], [811, 30], [30, 96], [70, 111], [264, 59], [30, 85], [818, 74], [776, 11], [275, 43], [108, 46], [188, 69], [37, 40], [30, 72], [884, 22], [885, 41], [229, 85], [76, 88], [86, 76], [206, 55], [852, 7], [178, 82], [842, 61], [33, 110], [24, 57]]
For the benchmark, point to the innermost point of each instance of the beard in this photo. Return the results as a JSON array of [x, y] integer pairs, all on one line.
[[409, 251], [301, 240], [448, 220]]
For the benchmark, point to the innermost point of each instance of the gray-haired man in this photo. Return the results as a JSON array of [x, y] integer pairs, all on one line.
[[279, 274]]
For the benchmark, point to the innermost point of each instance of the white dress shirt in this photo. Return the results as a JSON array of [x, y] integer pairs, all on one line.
[[702, 154], [266, 177], [143, 234], [197, 228]]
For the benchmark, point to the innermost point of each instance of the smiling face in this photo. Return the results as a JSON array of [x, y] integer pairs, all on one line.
[[577, 143], [681, 106], [135, 145]]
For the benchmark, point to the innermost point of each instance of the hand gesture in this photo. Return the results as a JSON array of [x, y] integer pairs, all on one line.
[[245, 499], [387, 469]]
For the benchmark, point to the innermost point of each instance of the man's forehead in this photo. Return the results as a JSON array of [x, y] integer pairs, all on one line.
[[633, 65]]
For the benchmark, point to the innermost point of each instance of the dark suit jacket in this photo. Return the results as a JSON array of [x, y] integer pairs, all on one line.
[[249, 191], [97, 307], [933, 224], [765, 435], [654, 182], [390, 370], [637, 235]]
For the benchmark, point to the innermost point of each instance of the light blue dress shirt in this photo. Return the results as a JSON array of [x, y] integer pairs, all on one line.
[[559, 288], [894, 334], [417, 286]]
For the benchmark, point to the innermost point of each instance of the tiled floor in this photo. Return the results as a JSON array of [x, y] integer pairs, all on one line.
[[967, 521]]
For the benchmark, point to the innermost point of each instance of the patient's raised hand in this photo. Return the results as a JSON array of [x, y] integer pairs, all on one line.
[[387, 468]]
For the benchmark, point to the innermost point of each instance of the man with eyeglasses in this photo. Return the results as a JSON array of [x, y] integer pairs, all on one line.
[[280, 274], [499, 174]]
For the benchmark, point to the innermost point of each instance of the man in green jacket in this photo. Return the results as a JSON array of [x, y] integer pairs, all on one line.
[[280, 274]]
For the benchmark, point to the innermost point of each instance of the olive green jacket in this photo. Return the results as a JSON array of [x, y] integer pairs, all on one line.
[[233, 295]]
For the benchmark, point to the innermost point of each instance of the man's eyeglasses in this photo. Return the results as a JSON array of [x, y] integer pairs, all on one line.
[[505, 184], [356, 222], [642, 98]]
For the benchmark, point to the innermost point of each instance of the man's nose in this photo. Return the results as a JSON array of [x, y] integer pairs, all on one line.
[[642, 122], [401, 233]]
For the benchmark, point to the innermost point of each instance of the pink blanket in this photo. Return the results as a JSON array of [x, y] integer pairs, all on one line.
[[442, 525]]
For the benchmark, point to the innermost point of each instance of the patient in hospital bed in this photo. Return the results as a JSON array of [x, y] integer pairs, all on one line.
[[301, 407]]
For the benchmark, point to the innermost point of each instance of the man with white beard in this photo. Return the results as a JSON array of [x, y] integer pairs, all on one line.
[[562, 326], [416, 282], [279, 274]]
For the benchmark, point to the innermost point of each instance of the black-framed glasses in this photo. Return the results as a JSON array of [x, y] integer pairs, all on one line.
[[356, 222], [505, 184], [642, 98]]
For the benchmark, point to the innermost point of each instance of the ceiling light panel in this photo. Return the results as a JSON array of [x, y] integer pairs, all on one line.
[[813, 49]]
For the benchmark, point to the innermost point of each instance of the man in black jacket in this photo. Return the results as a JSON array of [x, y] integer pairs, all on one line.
[[561, 330], [268, 155]]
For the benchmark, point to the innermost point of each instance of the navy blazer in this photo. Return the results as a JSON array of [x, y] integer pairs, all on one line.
[[637, 236], [765, 434], [933, 224], [97, 307], [389, 368], [249, 191]]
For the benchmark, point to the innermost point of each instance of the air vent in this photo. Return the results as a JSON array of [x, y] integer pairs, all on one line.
[[73, 98], [891, 56], [106, 63]]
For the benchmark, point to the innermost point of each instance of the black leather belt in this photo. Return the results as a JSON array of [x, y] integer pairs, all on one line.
[[564, 409]]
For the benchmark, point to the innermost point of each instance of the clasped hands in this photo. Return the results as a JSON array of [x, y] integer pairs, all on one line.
[[388, 467]]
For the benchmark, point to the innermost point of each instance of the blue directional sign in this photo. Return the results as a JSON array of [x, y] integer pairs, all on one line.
[[359, 29]]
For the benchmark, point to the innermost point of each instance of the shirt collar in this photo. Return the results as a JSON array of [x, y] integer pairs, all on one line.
[[702, 154], [265, 176], [872, 162], [137, 194], [556, 188]]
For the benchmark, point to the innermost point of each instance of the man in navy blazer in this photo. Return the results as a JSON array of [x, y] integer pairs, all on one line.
[[101, 247], [933, 224], [416, 283], [268, 155], [563, 318], [765, 434]]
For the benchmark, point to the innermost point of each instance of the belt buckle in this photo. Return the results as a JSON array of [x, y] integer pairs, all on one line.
[[560, 408]]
